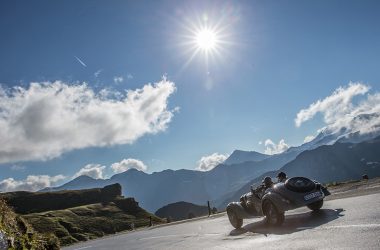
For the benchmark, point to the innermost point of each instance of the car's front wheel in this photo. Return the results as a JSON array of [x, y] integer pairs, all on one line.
[[315, 206], [235, 221], [273, 216]]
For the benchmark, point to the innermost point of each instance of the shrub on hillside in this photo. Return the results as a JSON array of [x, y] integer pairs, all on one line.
[[128, 205], [110, 192]]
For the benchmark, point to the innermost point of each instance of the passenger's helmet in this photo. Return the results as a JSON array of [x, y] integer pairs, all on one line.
[[268, 181]]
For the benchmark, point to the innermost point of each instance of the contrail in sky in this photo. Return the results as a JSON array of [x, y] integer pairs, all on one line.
[[80, 61]]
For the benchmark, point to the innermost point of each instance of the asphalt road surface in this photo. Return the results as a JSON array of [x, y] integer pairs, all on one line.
[[349, 223]]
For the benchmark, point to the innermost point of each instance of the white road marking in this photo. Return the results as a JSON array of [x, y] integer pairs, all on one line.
[[179, 236], [341, 226], [357, 225]]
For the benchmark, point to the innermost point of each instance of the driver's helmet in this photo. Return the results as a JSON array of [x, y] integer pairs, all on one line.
[[267, 182]]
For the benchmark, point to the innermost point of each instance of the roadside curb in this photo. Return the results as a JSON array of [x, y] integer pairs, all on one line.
[[187, 220]]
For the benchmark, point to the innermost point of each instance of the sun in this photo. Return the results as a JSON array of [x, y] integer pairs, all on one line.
[[206, 39]]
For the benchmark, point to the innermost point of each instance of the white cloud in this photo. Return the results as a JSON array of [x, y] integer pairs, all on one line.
[[308, 138], [208, 162], [118, 79], [126, 164], [97, 73], [92, 170], [31, 183], [47, 119], [272, 148], [341, 112], [129, 76], [339, 103]]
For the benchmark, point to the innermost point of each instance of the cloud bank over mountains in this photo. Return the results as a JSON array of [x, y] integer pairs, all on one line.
[[31, 183], [348, 109], [126, 164], [341, 111], [92, 170], [272, 148], [208, 162], [47, 119], [96, 171]]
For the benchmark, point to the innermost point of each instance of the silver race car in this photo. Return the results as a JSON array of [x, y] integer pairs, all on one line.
[[274, 201]]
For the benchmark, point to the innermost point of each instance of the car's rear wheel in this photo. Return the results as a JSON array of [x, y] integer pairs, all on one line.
[[273, 216], [235, 221], [315, 206]]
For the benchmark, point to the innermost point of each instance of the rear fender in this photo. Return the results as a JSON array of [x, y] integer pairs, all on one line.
[[239, 210]]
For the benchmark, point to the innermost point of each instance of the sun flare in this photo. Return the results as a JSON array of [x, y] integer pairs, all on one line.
[[206, 39]]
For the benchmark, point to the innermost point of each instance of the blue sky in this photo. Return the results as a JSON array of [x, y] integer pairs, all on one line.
[[274, 59]]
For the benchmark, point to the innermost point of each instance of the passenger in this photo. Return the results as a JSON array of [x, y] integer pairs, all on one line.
[[281, 177], [267, 182]]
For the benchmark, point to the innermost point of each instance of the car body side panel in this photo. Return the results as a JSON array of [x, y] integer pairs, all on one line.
[[285, 199]]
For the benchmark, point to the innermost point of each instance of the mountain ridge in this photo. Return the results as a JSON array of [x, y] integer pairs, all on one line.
[[340, 161]]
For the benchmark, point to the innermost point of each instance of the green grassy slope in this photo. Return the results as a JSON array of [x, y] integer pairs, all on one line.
[[90, 221], [18, 234]]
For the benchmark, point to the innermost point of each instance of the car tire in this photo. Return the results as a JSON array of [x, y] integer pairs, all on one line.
[[300, 184], [235, 221], [315, 206], [273, 216]]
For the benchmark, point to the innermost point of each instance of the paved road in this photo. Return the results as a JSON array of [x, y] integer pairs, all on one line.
[[349, 223]]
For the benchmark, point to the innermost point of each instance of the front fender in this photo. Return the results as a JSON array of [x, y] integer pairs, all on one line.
[[239, 210], [280, 202]]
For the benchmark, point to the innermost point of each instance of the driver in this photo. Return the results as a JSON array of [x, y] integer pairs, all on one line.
[[281, 177], [251, 200], [267, 183]]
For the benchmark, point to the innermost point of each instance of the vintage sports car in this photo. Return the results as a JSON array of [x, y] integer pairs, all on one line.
[[274, 201]]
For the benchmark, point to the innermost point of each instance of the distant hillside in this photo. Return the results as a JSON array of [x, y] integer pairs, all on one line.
[[82, 223], [181, 211], [81, 182], [337, 162], [31, 202], [240, 156]]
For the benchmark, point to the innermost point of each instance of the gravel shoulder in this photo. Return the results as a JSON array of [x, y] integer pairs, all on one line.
[[354, 188]]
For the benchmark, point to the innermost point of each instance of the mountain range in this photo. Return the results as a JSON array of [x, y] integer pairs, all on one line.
[[322, 158], [160, 188]]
